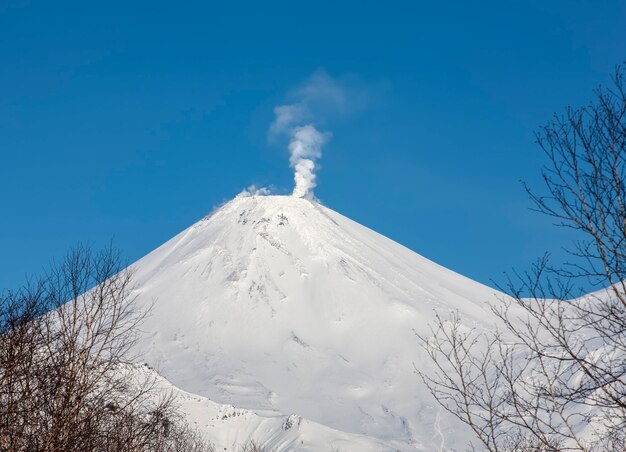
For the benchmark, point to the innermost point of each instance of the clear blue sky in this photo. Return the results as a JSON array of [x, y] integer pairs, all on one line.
[[131, 120]]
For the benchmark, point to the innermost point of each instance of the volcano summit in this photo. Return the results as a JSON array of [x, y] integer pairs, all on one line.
[[278, 304]]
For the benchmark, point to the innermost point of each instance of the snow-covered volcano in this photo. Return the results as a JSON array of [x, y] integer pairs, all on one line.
[[279, 303]]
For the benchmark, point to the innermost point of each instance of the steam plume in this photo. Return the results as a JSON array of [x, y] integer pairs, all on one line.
[[321, 96], [305, 147]]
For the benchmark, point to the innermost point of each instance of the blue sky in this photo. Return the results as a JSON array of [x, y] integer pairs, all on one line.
[[131, 120]]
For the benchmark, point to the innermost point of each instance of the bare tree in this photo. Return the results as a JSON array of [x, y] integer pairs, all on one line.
[[554, 376], [67, 378]]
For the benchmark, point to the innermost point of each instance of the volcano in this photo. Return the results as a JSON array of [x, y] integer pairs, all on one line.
[[280, 306]]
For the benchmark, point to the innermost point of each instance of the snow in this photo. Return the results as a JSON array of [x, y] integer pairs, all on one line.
[[278, 305], [229, 427]]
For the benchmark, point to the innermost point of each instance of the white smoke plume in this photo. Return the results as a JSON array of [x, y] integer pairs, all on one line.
[[305, 148], [253, 190], [319, 98]]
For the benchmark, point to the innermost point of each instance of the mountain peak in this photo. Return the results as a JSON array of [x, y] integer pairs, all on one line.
[[269, 203], [280, 303]]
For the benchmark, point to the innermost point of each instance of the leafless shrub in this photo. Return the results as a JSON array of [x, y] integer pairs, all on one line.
[[252, 446], [67, 380], [554, 377]]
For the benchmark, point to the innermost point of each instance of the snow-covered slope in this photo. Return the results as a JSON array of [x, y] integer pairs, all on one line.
[[277, 303], [229, 428]]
